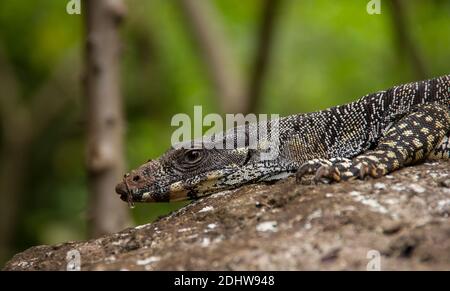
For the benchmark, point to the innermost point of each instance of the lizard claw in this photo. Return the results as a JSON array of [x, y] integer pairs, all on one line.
[[340, 169], [327, 174], [310, 167], [346, 171], [324, 170]]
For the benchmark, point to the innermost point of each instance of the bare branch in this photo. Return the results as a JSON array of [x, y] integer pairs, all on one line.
[[405, 42], [267, 28], [214, 46], [105, 122]]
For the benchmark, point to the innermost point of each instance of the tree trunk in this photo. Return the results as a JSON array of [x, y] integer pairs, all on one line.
[[105, 161], [23, 122], [13, 171]]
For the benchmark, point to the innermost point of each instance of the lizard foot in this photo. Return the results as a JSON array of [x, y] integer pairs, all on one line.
[[349, 170], [416, 136], [311, 167]]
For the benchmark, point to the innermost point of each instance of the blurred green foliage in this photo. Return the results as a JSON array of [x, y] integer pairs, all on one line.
[[325, 53]]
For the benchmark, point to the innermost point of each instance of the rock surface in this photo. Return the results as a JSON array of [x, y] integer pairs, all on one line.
[[403, 217]]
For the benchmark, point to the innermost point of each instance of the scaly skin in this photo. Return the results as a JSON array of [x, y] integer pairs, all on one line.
[[373, 136]]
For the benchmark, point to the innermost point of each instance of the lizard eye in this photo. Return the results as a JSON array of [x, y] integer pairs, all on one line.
[[192, 156]]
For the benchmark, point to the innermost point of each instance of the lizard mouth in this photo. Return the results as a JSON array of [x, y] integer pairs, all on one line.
[[123, 189], [132, 195], [189, 189], [129, 194], [177, 191]]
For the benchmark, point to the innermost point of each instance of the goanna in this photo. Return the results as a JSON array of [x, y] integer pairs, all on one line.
[[371, 137]]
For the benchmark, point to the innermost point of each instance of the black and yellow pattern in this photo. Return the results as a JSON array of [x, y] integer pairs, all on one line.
[[375, 135]]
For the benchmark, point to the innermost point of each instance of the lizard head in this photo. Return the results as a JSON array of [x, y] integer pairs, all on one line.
[[205, 166], [183, 173]]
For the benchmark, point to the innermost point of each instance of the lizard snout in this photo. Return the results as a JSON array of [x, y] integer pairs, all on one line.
[[121, 188], [132, 186]]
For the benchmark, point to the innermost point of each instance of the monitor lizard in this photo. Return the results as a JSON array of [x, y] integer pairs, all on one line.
[[371, 137]]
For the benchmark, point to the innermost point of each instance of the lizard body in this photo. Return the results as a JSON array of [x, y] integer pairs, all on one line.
[[373, 136]]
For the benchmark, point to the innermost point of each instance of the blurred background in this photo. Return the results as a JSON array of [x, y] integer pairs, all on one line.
[[57, 72]]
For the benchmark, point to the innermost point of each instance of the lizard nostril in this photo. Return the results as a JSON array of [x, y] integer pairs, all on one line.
[[136, 178], [121, 189]]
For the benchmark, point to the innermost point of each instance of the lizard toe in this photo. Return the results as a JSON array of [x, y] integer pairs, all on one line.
[[327, 174], [310, 168], [370, 168]]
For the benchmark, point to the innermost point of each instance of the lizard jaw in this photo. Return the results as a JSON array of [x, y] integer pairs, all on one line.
[[183, 190], [177, 191], [195, 188]]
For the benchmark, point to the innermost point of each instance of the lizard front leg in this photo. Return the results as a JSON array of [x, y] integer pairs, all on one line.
[[412, 139]]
